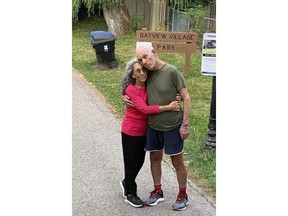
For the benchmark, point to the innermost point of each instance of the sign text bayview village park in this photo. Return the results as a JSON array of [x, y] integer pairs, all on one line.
[[188, 37]]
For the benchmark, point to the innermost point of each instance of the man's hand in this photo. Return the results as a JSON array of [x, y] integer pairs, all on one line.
[[128, 103], [184, 131]]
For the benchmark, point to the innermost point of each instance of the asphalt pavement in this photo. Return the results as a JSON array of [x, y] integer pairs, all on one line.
[[98, 164]]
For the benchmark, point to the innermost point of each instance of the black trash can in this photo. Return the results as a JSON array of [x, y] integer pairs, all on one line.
[[104, 45]]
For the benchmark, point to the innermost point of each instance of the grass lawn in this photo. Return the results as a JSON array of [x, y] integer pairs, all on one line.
[[201, 163]]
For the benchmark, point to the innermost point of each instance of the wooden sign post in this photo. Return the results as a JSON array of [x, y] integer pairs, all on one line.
[[179, 42]]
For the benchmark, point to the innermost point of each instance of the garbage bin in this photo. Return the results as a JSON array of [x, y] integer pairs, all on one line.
[[104, 45]]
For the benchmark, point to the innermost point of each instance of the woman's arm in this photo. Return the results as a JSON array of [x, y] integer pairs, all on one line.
[[173, 106], [140, 104], [129, 104]]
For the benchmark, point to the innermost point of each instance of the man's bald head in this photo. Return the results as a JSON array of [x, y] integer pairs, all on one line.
[[147, 56], [147, 46]]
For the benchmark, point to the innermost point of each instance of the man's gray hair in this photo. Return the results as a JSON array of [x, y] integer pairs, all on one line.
[[127, 75], [147, 45]]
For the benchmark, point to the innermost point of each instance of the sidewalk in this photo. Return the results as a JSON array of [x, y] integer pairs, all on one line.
[[98, 164]]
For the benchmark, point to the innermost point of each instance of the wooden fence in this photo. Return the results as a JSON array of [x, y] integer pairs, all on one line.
[[153, 12]]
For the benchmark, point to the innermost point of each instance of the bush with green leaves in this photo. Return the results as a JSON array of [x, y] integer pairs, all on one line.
[[196, 16]]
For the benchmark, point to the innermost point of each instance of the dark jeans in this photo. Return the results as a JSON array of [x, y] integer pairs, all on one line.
[[134, 156]]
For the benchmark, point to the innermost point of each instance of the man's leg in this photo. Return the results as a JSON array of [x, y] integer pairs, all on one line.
[[155, 165], [178, 164], [182, 198], [155, 146], [156, 171]]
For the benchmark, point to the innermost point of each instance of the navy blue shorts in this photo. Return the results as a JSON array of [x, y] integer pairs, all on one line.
[[170, 141]]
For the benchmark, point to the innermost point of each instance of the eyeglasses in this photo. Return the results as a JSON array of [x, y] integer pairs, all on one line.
[[138, 70]]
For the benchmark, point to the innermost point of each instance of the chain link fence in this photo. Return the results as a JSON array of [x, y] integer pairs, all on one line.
[[179, 22], [210, 24]]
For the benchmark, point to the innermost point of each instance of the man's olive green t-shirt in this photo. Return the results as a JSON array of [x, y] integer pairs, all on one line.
[[162, 88]]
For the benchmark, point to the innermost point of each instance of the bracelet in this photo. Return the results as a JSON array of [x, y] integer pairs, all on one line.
[[184, 126]]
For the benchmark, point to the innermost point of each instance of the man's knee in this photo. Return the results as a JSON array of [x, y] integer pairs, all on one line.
[[156, 157], [177, 161]]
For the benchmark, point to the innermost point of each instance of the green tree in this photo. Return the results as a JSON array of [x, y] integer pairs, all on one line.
[[115, 10]]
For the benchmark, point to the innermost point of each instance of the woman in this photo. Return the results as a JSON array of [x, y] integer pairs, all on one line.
[[134, 126]]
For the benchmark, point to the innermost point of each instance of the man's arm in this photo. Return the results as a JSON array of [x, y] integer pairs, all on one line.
[[127, 101], [184, 129]]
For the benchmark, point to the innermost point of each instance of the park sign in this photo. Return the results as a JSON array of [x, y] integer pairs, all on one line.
[[208, 64], [171, 42]]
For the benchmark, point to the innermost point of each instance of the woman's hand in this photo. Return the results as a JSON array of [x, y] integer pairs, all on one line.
[[178, 97], [175, 106]]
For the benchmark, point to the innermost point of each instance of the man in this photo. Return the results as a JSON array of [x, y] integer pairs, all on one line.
[[168, 130]]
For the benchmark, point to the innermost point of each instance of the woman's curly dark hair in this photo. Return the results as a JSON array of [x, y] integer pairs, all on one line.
[[127, 75]]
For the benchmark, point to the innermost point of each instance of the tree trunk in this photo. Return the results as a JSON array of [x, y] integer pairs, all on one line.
[[121, 20]]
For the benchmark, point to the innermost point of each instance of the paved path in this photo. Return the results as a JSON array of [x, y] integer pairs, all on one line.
[[98, 164]]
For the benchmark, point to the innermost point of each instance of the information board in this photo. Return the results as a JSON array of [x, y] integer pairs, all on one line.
[[208, 64]]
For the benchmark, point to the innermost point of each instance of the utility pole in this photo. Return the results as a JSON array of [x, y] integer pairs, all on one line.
[[211, 132]]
